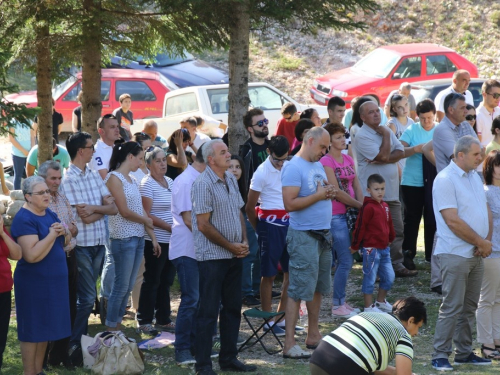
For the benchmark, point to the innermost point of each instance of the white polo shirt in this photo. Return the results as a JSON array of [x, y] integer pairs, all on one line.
[[198, 141], [102, 156], [439, 101], [267, 181], [484, 120]]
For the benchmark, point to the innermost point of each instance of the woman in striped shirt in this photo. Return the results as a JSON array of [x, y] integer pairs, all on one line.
[[367, 342]]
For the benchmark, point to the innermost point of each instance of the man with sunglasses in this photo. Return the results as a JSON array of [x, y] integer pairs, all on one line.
[[487, 110], [460, 83], [254, 150]]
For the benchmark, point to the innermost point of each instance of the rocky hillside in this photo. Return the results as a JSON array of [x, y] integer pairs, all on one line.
[[290, 60]]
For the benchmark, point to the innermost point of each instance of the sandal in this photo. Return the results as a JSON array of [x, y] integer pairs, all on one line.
[[495, 354], [297, 353], [170, 327]]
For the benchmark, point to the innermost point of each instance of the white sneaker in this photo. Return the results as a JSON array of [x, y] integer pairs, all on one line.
[[384, 306], [373, 309], [342, 312], [349, 307]]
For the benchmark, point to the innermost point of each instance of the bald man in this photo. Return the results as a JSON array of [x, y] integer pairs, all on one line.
[[151, 129], [459, 85]]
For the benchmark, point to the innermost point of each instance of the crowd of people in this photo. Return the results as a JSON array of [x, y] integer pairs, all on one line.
[[135, 210]]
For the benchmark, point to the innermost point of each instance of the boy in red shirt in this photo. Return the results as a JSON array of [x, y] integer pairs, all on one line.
[[373, 234]]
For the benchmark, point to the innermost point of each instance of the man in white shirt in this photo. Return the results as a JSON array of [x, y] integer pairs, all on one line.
[[487, 110], [197, 138], [459, 85], [109, 131]]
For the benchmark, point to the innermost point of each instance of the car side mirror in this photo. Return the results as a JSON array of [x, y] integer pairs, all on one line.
[[396, 76]]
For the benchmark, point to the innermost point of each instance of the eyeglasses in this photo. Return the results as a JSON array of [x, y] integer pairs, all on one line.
[[496, 95], [261, 123], [42, 192], [470, 117], [276, 160], [92, 147]]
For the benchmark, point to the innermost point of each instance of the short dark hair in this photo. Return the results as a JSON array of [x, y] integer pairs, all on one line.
[[395, 98], [247, 118], [199, 155], [100, 122], [489, 84], [278, 145], [425, 106], [451, 99], [374, 179], [491, 161], [199, 120], [332, 128], [335, 101], [75, 142], [409, 307], [288, 109], [191, 121], [495, 125], [303, 124]]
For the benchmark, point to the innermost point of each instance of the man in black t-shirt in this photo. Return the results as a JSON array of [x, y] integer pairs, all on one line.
[[125, 116], [254, 150], [57, 120]]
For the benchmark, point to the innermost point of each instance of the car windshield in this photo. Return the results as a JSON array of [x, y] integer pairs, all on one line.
[[61, 89], [379, 63]]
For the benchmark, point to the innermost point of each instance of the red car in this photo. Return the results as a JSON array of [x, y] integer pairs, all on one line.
[[147, 90], [385, 68]]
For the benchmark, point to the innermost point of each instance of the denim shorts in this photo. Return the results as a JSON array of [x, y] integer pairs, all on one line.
[[377, 261], [310, 264], [272, 244]]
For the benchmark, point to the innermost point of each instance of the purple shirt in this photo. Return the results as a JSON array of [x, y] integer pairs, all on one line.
[[181, 241]]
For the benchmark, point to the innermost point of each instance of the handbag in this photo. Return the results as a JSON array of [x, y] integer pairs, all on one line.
[[114, 353], [351, 212]]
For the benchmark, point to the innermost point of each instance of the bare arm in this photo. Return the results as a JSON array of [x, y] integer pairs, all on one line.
[[253, 197], [186, 217], [90, 214], [428, 151], [34, 249], [439, 116], [403, 367], [15, 251], [341, 195], [490, 221], [30, 169], [15, 142], [385, 147], [147, 203], [463, 231], [240, 250], [103, 173], [410, 151], [358, 189], [293, 202], [179, 160], [74, 123]]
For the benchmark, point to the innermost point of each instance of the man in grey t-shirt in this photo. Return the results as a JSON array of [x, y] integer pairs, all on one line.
[[378, 151]]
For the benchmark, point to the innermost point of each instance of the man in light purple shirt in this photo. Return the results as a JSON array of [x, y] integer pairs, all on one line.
[[183, 257]]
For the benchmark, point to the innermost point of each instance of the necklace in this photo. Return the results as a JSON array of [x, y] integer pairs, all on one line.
[[162, 182]]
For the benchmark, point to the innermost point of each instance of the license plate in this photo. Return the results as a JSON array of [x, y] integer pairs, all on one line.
[[319, 98]]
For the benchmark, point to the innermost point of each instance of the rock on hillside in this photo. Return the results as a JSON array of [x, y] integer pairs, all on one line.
[[290, 60]]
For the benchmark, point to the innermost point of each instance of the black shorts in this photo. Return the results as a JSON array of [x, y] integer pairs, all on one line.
[[334, 362]]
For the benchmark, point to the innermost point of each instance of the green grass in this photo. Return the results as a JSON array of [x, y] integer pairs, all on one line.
[[161, 361]]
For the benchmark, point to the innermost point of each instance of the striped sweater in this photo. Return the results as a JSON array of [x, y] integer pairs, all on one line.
[[372, 340]]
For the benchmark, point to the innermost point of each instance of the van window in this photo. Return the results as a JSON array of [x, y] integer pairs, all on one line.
[[73, 93], [218, 100], [181, 103], [437, 64], [139, 91]]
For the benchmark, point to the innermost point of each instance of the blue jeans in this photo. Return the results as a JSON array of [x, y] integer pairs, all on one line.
[[127, 255], [89, 261], [377, 261], [341, 243], [19, 164], [220, 281], [108, 268], [251, 264], [187, 274]]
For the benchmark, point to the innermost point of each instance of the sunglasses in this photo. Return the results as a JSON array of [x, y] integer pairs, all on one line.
[[470, 117], [495, 95], [261, 123]]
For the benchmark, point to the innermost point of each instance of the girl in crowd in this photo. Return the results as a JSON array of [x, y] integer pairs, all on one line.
[[145, 141], [159, 274], [177, 156], [367, 343], [301, 129], [41, 276], [412, 184], [495, 142], [399, 120], [22, 139], [488, 309], [341, 173], [470, 117], [251, 265], [126, 228]]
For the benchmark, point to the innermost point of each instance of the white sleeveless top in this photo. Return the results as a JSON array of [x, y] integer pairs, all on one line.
[[119, 227]]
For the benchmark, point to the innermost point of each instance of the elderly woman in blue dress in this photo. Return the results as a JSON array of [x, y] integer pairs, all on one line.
[[41, 276]]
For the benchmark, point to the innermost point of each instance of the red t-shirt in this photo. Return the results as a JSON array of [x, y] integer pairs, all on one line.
[[287, 129], [6, 281]]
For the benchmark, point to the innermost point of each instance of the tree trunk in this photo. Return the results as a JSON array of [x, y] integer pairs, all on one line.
[[91, 67], [238, 74], [43, 85]]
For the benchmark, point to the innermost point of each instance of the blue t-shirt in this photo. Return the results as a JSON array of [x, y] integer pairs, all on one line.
[[23, 136], [299, 172], [414, 135]]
